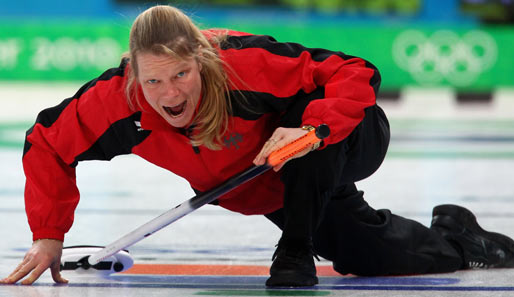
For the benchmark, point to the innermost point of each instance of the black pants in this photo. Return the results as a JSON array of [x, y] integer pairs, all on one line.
[[321, 202]]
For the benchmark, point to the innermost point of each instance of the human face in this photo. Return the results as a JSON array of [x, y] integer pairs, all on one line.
[[172, 87]]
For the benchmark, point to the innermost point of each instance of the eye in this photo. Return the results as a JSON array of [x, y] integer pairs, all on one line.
[[181, 74], [152, 81]]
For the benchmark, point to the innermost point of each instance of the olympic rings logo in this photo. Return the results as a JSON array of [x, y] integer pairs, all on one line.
[[444, 55]]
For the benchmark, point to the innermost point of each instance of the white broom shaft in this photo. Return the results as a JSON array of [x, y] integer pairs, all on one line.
[[143, 231], [176, 213]]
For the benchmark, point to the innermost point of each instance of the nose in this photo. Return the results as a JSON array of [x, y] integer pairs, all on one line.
[[172, 90]]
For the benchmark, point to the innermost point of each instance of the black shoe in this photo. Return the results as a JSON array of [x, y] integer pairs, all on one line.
[[479, 248], [293, 266]]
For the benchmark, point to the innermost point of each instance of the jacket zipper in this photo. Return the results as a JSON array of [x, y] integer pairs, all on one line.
[[188, 132]]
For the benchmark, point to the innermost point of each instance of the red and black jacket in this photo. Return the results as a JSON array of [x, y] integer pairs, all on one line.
[[318, 85]]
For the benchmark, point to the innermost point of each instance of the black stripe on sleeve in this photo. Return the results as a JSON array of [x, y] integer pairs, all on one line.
[[375, 79], [27, 145], [285, 49], [118, 139], [252, 105]]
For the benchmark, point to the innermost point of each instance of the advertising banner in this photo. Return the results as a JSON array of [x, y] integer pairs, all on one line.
[[59, 50], [467, 58]]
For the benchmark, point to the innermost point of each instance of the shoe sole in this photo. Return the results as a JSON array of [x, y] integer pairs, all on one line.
[[466, 218], [291, 280]]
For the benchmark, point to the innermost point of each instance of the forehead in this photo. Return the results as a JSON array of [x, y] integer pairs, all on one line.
[[149, 63]]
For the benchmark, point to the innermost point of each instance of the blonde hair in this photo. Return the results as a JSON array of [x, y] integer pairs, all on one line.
[[165, 30]]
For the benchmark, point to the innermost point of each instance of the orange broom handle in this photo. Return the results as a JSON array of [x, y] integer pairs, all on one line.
[[298, 145]]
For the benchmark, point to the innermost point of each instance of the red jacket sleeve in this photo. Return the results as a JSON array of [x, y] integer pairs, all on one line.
[[349, 90], [62, 136], [51, 195], [288, 71]]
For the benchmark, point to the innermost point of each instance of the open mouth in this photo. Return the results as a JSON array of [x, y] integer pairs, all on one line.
[[177, 110]]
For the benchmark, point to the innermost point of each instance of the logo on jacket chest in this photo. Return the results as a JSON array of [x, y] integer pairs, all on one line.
[[234, 139]]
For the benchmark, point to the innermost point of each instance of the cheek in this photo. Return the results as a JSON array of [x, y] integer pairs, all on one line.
[[150, 95]]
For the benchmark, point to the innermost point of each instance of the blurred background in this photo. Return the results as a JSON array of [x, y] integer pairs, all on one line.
[[464, 44]]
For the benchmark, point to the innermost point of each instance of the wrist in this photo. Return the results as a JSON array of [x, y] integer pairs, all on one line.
[[51, 239]]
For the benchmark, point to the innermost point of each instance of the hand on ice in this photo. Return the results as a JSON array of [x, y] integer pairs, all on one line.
[[44, 254]]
